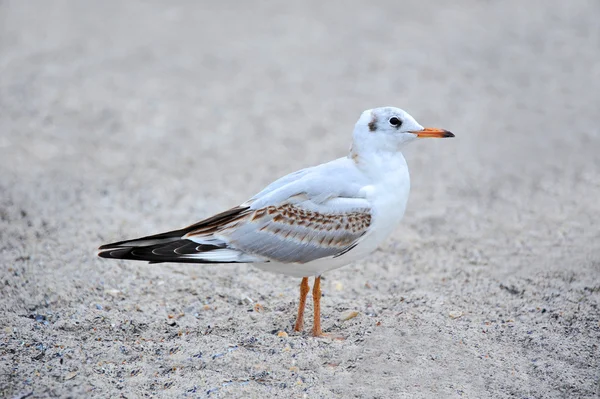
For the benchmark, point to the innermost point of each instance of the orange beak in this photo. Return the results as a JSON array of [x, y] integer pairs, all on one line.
[[433, 132]]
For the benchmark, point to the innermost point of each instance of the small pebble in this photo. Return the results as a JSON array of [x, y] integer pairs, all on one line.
[[71, 375], [282, 334], [350, 314], [455, 314], [247, 300], [112, 292]]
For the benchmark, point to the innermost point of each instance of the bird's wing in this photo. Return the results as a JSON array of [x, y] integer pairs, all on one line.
[[315, 213], [296, 231]]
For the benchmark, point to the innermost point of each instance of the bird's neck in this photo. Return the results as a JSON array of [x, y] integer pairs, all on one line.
[[378, 164]]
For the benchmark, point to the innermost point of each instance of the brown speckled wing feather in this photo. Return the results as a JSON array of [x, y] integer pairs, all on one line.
[[290, 233]]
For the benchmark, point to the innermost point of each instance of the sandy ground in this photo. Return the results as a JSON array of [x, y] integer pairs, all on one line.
[[120, 119]]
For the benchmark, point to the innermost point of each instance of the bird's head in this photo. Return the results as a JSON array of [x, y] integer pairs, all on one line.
[[389, 128]]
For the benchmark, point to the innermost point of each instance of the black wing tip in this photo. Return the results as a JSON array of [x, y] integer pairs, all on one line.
[[111, 252], [127, 253], [102, 254], [147, 253]]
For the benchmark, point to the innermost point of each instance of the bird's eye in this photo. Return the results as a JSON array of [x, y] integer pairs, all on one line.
[[395, 122]]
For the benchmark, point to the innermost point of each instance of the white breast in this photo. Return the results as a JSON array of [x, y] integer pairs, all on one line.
[[389, 198]]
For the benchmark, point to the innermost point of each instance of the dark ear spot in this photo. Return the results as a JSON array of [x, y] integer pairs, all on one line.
[[373, 124]]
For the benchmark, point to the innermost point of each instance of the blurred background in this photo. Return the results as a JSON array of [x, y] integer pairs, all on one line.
[[121, 119]]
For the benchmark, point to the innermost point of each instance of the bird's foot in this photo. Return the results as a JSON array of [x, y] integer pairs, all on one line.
[[299, 326], [332, 336]]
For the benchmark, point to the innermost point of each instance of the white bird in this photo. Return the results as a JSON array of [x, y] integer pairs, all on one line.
[[308, 222]]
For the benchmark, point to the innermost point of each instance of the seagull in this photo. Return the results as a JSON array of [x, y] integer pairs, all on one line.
[[310, 221]]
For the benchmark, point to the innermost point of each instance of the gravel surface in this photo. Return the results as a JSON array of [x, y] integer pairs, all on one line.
[[121, 119]]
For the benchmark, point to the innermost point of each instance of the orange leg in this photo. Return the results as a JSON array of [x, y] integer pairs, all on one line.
[[317, 332], [304, 288]]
